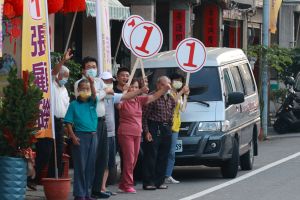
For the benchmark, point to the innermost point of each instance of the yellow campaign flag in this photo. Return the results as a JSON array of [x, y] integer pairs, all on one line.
[[274, 9], [35, 57]]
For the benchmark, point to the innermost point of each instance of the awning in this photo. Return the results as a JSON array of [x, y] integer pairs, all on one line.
[[116, 10]]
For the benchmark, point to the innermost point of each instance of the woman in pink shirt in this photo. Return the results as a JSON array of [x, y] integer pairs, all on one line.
[[129, 133]]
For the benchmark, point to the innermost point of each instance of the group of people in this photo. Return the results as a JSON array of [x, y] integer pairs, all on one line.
[[110, 115]]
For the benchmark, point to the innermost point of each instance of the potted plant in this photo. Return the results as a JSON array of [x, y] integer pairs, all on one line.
[[19, 112]]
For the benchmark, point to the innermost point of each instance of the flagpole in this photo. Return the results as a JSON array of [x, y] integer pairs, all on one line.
[[264, 74], [51, 92]]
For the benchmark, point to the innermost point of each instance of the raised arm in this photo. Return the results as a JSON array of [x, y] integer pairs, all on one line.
[[158, 94], [131, 95], [92, 85], [67, 56]]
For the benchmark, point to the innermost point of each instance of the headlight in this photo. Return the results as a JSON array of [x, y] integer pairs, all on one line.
[[214, 126], [209, 126]]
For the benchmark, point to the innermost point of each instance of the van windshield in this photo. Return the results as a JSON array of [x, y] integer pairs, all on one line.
[[204, 84]]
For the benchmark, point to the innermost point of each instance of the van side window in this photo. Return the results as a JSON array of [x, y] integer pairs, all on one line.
[[237, 79], [228, 85], [247, 79]]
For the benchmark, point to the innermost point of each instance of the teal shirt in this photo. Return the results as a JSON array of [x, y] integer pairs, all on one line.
[[83, 115]]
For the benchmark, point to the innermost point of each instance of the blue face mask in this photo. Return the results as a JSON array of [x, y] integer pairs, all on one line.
[[91, 73], [62, 82]]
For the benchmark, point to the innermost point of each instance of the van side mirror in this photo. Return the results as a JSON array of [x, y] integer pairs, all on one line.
[[235, 98]]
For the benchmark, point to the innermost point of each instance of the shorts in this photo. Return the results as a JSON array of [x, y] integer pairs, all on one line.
[[111, 152]]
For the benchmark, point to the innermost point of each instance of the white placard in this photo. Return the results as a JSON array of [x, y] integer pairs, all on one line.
[[190, 55], [146, 40]]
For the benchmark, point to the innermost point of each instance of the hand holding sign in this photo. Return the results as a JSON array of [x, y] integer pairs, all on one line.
[[190, 57]]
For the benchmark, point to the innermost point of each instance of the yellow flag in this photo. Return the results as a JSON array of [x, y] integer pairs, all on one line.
[[35, 57], [274, 9]]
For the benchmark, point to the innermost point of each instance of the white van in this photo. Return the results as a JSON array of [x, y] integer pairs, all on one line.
[[222, 120]]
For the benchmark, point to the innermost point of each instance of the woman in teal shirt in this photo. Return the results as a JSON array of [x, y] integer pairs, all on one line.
[[82, 117]]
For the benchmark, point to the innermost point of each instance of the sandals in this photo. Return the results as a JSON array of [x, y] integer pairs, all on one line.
[[149, 187], [162, 187]]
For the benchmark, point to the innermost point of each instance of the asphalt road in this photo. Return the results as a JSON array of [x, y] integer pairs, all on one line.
[[276, 176]]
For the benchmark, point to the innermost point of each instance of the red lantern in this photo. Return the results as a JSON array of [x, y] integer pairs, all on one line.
[[8, 10], [18, 7], [74, 6], [55, 5]]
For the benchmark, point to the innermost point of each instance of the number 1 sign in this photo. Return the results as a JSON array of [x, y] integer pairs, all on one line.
[[146, 40], [190, 55]]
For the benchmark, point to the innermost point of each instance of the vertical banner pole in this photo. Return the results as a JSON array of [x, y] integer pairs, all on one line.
[[70, 33], [99, 36], [51, 86]]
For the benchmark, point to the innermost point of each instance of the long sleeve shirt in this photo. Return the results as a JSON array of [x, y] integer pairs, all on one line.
[[160, 110]]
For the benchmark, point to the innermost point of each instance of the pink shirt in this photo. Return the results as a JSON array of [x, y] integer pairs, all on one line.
[[131, 116]]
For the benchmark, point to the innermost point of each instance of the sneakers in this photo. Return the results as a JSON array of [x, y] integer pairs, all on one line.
[[130, 190], [171, 180]]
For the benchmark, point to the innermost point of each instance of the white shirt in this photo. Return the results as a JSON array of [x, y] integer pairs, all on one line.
[[61, 100], [100, 94], [110, 102]]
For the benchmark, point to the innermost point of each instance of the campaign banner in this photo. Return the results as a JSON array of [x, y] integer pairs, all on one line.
[[36, 57], [106, 50]]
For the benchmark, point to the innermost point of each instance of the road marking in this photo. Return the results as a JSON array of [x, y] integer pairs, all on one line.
[[241, 178]]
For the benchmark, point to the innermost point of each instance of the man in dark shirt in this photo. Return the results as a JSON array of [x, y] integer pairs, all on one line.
[[122, 78], [157, 123]]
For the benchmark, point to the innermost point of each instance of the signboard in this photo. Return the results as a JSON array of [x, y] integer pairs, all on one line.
[[178, 27], [36, 57], [211, 25], [128, 26], [146, 40], [190, 55]]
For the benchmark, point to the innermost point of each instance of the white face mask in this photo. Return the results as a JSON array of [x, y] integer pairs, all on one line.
[[91, 73], [177, 85]]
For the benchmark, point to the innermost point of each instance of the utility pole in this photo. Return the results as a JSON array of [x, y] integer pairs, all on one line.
[[265, 73]]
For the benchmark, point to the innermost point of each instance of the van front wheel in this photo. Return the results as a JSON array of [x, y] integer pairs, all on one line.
[[230, 167]]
